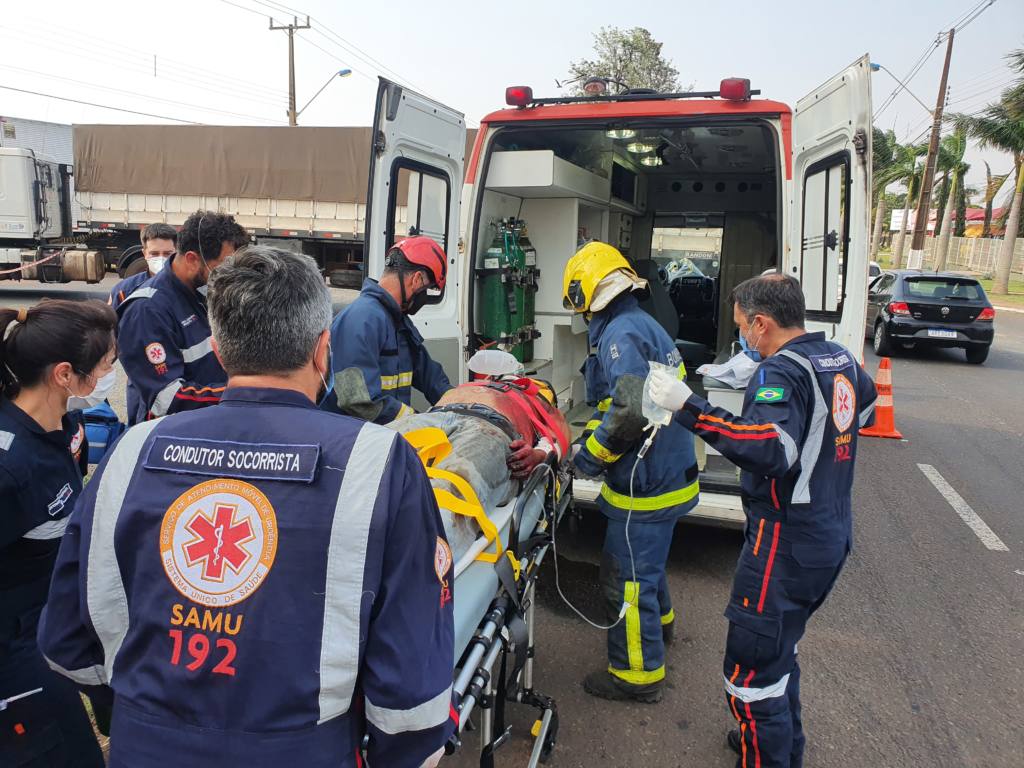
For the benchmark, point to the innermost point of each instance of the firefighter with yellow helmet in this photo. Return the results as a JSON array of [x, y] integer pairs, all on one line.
[[600, 284]]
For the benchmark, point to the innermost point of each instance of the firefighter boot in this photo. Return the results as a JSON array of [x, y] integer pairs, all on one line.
[[605, 685]]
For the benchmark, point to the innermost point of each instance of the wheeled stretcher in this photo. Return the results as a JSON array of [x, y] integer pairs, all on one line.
[[494, 594]]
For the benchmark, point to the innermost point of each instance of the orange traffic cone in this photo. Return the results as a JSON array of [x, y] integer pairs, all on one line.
[[885, 414]]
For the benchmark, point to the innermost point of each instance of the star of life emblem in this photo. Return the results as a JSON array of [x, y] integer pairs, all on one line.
[[218, 541], [844, 403]]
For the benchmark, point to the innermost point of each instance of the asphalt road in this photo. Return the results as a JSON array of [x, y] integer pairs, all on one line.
[[915, 658]]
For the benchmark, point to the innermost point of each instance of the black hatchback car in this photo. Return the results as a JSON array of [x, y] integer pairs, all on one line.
[[908, 308]]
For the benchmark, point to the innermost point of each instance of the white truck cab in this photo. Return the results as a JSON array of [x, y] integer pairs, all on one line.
[[733, 184]]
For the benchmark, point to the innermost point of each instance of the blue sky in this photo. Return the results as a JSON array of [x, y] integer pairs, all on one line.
[[217, 62]]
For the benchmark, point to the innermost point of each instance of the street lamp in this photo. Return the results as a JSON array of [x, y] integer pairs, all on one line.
[[875, 67], [340, 73]]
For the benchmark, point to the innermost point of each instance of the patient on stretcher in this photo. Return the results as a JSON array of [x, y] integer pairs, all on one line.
[[499, 429]]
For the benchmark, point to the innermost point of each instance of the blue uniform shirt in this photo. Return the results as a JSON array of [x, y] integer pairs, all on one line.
[[126, 288], [118, 294], [665, 484], [163, 343], [796, 442], [40, 478], [373, 334], [261, 584]]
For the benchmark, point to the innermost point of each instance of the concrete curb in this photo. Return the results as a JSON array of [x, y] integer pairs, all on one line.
[[997, 308]]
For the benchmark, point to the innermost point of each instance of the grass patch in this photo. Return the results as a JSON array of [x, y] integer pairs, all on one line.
[[1015, 298]]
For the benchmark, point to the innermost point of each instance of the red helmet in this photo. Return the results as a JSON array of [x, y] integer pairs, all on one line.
[[423, 251]]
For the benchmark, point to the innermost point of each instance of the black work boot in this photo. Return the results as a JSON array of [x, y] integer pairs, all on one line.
[[668, 633], [734, 740], [605, 685]]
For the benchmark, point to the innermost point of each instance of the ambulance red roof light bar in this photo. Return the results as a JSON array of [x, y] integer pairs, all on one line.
[[735, 89], [518, 95]]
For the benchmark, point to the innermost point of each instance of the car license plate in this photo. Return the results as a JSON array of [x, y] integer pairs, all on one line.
[[938, 333]]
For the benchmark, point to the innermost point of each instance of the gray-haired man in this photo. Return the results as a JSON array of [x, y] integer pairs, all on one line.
[[260, 583]]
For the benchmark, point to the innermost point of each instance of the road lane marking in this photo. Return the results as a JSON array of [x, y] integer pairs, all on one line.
[[963, 509]]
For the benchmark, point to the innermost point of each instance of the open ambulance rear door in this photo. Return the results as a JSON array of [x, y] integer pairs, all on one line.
[[415, 188], [829, 225]]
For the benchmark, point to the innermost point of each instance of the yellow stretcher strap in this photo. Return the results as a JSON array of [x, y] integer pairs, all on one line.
[[433, 447]]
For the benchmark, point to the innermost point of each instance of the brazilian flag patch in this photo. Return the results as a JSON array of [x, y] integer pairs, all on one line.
[[770, 395]]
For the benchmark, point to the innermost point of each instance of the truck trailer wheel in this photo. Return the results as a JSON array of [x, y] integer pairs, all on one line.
[[346, 278], [130, 261]]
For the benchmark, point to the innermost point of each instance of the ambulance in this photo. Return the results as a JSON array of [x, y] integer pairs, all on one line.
[[764, 186]]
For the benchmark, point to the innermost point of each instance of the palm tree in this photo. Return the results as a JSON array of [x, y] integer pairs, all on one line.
[[1001, 126], [992, 186], [907, 170], [951, 160], [883, 152]]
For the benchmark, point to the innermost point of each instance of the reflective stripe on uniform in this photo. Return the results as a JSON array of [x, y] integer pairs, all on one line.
[[865, 415], [106, 601], [634, 638], [51, 529], [788, 444], [669, 617], [604, 405], [197, 351], [142, 292], [397, 381], [346, 560], [600, 452], [94, 675], [650, 503], [592, 425], [164, 398], [405, 410], [811, 449], [429, 714], [748, 695]]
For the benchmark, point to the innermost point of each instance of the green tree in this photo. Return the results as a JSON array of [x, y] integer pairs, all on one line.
[[630, 56], [883, 152], [907, 169], [951, 162], [1001, 126], [993, 183]]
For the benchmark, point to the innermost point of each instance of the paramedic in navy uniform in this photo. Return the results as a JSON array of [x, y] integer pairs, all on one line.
[[796, 442], [56, 352], [261, 583]]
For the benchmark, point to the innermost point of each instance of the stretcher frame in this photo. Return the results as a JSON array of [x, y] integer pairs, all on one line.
[[483, 677]]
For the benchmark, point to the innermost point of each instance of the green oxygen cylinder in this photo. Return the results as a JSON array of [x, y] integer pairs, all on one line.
[[501, 296], [530, 276]]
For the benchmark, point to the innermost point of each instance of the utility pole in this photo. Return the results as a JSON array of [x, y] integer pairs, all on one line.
[[293, 118], [916, 258]]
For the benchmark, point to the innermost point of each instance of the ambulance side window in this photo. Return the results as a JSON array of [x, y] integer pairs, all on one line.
[[825, 236], [419, 202]]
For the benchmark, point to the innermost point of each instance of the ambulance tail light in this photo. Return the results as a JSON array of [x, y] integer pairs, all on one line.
[[899, 308], [735, 89], [988, 314], [518, 95]]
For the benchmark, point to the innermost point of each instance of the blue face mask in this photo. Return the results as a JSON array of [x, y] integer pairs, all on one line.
[[329, 381], [753, 354]]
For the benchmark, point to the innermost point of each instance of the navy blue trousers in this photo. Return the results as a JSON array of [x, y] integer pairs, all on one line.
[[636, 651], [776, 590]]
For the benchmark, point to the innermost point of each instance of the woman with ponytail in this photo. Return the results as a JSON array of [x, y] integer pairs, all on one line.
[[57, 356]]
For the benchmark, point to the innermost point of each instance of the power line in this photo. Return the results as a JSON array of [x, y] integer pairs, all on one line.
[[961, 23], [191, 83], [145, 59], [101, 106], [136, 94], [346, 45]]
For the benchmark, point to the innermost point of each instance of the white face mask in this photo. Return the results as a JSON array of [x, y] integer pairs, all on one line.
[[99, 393], [155, 263]]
